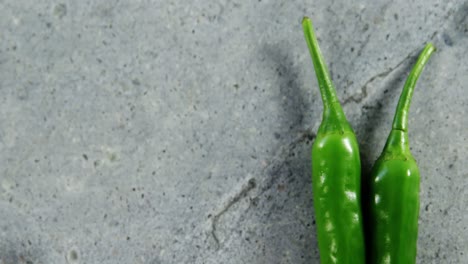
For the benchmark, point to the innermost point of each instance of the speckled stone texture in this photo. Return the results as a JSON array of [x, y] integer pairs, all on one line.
[[180, 131]]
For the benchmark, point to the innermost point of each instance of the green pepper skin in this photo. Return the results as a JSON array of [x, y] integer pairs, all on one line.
[[336, 173], [336, 185], [394, 187], [395, 206]]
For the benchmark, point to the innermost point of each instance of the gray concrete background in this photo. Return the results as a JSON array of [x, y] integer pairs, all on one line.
[[177, 132]]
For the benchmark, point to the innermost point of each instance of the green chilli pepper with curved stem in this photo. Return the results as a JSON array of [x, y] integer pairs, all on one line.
[[336, 173], [394, 186]]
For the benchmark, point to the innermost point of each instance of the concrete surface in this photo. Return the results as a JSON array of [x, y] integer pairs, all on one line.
[[177, 132]]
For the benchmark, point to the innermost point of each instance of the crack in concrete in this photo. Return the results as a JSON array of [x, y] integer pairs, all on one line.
[[306, 135], [363, 45], [357, 98], [241, 194], [278, 161]]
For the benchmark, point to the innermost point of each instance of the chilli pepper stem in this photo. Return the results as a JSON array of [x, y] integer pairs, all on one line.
[[400, 121], [332, 110], [326, 86]]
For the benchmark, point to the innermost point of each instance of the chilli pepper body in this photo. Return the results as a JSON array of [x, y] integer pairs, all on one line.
[[394, 186], [336, 173]]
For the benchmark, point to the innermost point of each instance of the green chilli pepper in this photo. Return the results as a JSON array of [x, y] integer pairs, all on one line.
[[394, 186], [336, 173]]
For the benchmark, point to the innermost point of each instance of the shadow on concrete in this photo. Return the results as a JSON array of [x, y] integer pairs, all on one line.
[[285, 193]]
